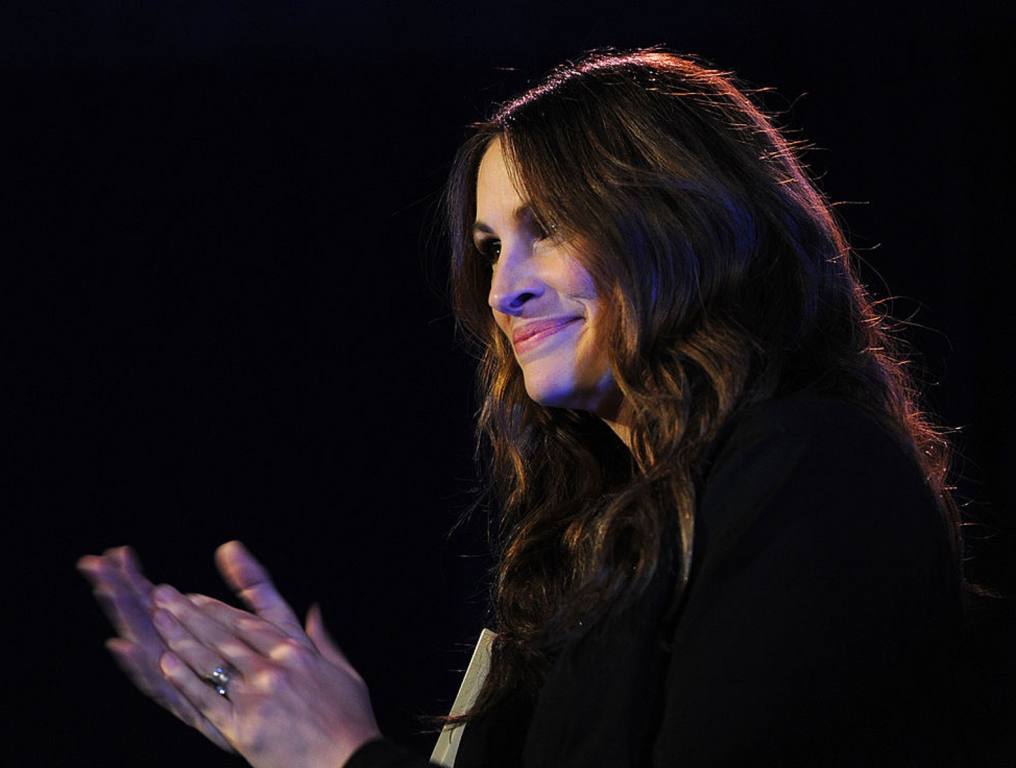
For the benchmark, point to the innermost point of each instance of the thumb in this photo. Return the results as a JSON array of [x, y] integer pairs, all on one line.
[[322, 640]]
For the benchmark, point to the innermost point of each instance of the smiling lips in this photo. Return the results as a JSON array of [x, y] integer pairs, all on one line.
[[538, 329]]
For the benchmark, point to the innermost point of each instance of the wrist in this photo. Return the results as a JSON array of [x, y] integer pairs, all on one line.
[[350, 745]]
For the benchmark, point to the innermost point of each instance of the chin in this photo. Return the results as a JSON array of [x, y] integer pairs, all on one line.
[[550, 397], [557, 397], [602, 400]]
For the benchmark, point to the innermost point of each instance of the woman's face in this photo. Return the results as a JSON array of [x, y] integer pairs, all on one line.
[[536, 281]]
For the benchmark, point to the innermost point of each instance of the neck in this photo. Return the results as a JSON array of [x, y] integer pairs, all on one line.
[[623, 431], [618, 418]]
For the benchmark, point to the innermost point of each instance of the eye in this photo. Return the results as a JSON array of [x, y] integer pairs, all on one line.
[[489, 250], [545, 231]]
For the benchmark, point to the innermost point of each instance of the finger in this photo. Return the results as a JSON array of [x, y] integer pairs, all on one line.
[[150, 681], [198, 639], [87, 565], [261, 635], [116, 600], [200, 658], [133, 593], [101, 571], [130, 567], [252, 584], [139, 611], [213, 706], [94, 568], [323, 640]]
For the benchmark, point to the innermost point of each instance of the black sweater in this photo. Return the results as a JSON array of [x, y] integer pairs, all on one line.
[[820, 627]]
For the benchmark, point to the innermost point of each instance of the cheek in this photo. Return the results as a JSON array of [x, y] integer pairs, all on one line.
[[577, 279], [595, 323], [594, 342], [501, 324]]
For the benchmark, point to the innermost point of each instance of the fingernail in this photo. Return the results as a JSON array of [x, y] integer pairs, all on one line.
[[169, 663]]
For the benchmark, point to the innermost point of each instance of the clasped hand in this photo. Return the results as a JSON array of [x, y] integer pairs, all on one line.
[[292, 697]]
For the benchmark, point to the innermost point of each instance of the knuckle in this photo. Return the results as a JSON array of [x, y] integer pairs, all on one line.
[[233, 647], [292, 651], [178, 644], [246, 623], [272, 679]]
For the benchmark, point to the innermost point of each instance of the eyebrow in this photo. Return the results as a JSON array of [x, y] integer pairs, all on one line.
[[518, 214]]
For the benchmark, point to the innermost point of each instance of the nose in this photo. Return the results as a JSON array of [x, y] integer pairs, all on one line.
[[514, 280]]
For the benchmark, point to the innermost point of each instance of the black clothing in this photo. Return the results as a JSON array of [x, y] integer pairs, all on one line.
[[820, 627]]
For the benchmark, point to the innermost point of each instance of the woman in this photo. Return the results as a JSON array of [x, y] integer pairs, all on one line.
[[725, 533]]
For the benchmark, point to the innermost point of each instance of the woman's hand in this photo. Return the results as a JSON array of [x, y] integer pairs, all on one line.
[[292, 697], [125, 596]]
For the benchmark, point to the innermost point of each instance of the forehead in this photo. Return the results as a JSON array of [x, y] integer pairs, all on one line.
[[495, 188]]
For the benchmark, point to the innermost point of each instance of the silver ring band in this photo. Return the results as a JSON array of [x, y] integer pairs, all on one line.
[[219, 679]]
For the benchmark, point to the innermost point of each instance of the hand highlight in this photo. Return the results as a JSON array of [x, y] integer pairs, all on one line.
[[293, 698]]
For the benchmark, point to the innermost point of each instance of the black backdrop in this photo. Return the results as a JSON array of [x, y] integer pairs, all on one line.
[[228, 321]]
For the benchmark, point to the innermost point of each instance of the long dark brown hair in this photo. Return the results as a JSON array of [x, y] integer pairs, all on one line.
[[728, 280]]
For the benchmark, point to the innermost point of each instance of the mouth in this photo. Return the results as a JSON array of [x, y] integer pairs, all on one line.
[[525, 343]]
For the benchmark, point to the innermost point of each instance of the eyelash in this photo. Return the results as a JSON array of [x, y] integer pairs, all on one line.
[[484, 249], [485, 246]]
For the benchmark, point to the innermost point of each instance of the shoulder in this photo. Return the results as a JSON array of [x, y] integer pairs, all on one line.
[[825, 470], [834, 438], [823, 608], [804, 416]]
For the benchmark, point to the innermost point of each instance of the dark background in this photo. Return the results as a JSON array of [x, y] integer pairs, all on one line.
[[227, 313]]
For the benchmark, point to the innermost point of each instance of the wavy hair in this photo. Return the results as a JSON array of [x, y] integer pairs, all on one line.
[[729, 281]]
